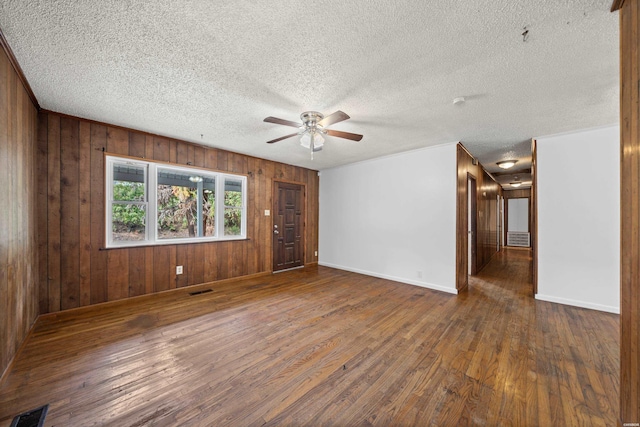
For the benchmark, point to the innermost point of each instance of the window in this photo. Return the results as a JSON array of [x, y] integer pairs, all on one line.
[[152, 203]]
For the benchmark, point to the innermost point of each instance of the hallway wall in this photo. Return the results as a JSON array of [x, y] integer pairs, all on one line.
[[393, 217], [487, 216], [579, 219]]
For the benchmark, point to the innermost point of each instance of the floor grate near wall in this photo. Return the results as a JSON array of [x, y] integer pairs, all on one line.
[[33, 418]]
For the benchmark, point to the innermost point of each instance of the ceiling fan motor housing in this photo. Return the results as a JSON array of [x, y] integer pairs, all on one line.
[[311, 118]]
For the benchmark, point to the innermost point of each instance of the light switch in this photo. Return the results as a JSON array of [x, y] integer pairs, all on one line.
[[267, 212]]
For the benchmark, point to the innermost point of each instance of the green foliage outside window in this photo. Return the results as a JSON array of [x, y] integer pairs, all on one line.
[[129, 216], [232, 216]]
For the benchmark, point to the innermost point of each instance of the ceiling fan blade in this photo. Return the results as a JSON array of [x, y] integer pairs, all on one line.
[[336, 117], [282, 122], [347, 135], [281, 138]]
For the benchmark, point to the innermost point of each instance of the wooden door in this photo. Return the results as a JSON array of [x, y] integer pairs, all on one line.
[[288, 226]]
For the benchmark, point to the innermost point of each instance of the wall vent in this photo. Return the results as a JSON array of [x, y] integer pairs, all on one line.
[[518, 238]]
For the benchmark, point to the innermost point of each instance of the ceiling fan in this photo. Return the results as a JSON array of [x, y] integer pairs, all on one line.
[[312, 128]]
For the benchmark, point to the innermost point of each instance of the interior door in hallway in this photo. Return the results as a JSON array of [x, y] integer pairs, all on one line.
[[288, 226]]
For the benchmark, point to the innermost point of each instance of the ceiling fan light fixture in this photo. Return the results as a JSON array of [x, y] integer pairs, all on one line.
[[305, 140], [195, 179], [506, 164], [318, 140]]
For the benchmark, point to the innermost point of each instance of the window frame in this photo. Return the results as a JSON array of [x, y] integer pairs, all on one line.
[[151, 202]]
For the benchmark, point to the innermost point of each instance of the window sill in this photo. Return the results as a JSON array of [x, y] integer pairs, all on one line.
[[155, 245]]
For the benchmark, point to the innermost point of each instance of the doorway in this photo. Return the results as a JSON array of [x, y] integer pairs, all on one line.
[[472, 224], [288, 225], [517, 222]]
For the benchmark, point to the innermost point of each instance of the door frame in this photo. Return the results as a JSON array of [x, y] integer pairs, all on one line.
[[274, 204], [472, 213], [529, 220]]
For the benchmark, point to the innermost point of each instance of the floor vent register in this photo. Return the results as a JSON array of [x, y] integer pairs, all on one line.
[[33, 418]]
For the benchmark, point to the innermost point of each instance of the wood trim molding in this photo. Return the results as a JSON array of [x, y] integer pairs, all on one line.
[[533, 215], [18, 69], [629, 213], [617, 5]]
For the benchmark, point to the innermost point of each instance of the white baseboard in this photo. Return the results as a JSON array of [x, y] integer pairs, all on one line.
[[393, 278], [576, 303]]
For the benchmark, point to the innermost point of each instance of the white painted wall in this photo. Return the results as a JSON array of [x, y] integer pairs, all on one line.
[[393, 217], [579, 219], [518, 211]]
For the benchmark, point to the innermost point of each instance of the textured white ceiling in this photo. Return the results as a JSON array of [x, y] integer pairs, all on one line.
[[189, 68]]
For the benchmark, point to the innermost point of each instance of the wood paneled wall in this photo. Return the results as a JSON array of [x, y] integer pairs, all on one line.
[[488, 191], [630, 212], [487, 216], [524, 193], [76, 272], [18, 237]]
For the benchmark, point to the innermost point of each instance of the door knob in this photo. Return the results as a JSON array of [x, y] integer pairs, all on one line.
[[276, 232]]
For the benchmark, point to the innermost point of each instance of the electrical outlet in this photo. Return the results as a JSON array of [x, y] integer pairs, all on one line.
[[267, 212], [316, 253], [179, 269]]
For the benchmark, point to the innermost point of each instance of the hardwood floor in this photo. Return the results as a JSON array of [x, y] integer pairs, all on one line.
[[324, 347]]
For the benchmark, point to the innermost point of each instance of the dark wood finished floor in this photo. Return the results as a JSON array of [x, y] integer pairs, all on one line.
[[325, 347]]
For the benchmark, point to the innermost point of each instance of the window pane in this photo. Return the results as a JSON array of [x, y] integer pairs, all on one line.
[[177, 207], [209, 212], [128, 222], [233, 193], [178, 193], [128, 183], [232, 221]]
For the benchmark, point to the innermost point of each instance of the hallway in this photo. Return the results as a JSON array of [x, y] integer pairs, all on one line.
[[557, 364]]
